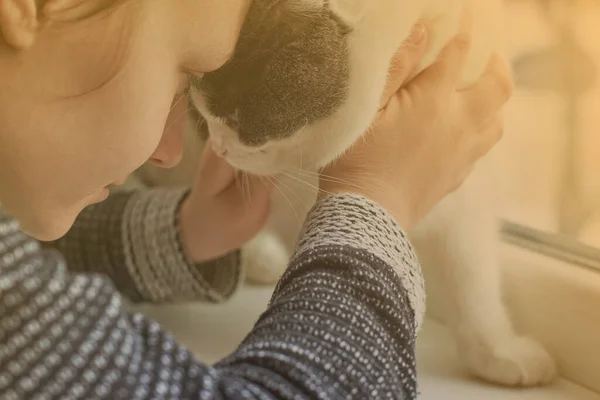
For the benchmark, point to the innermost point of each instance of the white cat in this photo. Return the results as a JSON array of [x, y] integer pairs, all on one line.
[[304, 85]]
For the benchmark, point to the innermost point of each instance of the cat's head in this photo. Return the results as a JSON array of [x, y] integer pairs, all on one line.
[[295, 92]]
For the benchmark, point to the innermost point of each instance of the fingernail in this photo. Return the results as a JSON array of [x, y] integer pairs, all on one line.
[[417, 34]]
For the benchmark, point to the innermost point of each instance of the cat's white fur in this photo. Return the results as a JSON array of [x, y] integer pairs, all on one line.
[[457, 242]]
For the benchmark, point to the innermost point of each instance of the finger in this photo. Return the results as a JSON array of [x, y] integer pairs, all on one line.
[[405, 61], [489, 93], [462, 178], [214, 175], [481, 143], [445, 71], [487, 137]]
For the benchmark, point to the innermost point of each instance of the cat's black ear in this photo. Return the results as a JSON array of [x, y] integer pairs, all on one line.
[[350, 12]]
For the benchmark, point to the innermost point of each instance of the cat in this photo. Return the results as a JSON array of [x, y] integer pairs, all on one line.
[[303, 85]]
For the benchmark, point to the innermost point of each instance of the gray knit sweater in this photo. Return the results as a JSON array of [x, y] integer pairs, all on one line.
[[341, 323]]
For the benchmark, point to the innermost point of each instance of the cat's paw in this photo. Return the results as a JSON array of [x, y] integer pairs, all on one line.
[[264, 259], [514, 361]]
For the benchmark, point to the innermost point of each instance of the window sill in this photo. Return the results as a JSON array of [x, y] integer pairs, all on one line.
[[221, 328], [442, 377], [558, 303]]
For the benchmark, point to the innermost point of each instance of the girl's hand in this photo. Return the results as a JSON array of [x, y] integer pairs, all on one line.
[[427, 137], [220, 215]]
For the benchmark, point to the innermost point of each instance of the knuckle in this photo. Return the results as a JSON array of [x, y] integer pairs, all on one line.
[[504, 80], [457, 48], [499, 132], [462, 42], [458, 182], [507, 87], [496, 129]]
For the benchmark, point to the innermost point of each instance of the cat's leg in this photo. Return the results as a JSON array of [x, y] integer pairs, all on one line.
[[458, 246], [264, 258]]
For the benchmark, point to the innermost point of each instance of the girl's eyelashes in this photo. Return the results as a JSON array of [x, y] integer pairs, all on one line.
[[193, 77], [192, 73]]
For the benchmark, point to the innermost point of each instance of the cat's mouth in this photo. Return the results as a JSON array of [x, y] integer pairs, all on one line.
[[271, 158], [261, 162]]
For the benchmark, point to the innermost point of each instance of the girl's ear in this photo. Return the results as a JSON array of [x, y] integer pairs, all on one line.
[[19, 22], [349, 11]]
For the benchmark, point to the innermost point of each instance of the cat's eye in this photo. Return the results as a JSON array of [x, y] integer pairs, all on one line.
[[231, 123], [234, 116], [233, 120]]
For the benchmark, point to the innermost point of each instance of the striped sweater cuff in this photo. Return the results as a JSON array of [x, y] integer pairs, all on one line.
[[355, 222], [154, 256]]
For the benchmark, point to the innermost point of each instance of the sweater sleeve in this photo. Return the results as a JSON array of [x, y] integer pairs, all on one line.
[[133, 238], [341, 324]]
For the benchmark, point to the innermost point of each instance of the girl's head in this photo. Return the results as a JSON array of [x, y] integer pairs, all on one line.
[[86, 89]]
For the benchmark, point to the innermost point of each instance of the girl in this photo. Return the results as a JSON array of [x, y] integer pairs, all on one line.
[[84, 87]]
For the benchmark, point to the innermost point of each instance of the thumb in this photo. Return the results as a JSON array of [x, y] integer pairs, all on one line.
[[405, 61]]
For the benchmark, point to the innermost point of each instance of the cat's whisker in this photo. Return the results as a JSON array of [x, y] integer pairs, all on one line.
[[176, 102], [276, 182], [326, 178], [306, 206], [242, 184], [247, 185], [199, 126], [334, 179], [311, 186], [238, 182], [306, 122], [176, 119]]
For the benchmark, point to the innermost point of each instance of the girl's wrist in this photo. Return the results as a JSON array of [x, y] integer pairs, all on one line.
[[385, 197]]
